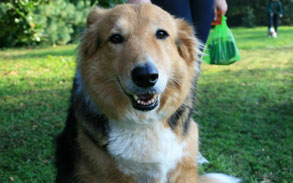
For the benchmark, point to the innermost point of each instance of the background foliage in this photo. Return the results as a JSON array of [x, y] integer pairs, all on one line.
[[51, 22], [254, 12], [31, 22]]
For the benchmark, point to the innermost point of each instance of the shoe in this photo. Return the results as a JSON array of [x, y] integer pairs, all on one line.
[[271, 32]]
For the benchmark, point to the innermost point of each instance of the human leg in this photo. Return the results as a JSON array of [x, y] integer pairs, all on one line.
[[270, 21], [276, 21], [202, 15], [197, 12], [177, 8]]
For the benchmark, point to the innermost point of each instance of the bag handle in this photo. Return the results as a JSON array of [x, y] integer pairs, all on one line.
[[218, 20]]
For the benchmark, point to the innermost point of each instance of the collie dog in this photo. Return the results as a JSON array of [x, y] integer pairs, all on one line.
[[130, 119]]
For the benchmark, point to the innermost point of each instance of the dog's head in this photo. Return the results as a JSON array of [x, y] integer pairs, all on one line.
[[136, 60]]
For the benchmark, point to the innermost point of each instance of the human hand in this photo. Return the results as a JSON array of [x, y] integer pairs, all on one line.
[[220, 5], [281, 15], [138, 1]]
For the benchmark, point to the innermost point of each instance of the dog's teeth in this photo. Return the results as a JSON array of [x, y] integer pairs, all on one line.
[[142, 102], [135, 97]]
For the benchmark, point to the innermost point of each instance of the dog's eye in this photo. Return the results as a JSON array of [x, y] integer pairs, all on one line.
[[161, 34], [116, 39]]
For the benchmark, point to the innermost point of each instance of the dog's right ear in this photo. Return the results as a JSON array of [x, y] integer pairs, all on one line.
[[94, 15]]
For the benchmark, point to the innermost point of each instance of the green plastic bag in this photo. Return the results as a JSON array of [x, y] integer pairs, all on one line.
[[221, 48]]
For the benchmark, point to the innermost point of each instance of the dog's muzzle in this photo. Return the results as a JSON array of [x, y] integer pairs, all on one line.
[[142, 92], [145, 76]]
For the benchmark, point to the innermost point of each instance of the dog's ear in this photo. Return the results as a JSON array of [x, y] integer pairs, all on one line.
[[90, 39], [187, 44], [94, 15]]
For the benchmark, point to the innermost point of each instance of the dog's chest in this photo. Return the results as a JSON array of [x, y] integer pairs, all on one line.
[[147, 153]]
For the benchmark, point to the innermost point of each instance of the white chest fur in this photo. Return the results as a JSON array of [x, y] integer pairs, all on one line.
[[147, 153]]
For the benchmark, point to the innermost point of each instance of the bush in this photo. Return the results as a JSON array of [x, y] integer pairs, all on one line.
[[17, 27], [248, 18], [240, 12], [59, 20], [32, 22], [288, 15]]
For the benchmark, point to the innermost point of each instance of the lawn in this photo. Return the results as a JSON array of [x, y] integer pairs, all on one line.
[[245, 110]]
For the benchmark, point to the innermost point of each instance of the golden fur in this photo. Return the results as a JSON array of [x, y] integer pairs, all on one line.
[[177, 55], [104, 68]]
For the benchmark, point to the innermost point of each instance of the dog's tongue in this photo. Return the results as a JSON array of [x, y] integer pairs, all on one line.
[[145, 97]]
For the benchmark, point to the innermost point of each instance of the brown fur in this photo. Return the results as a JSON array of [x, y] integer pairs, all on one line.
[[179, 53], [180, 50], [100, 63], [96, 165], [96, 69]]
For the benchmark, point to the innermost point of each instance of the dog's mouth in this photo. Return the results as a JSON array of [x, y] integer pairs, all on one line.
[[145, 102], [142, 101]]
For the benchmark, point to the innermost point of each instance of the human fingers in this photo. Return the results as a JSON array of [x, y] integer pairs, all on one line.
[[138, 1], [221, 5]]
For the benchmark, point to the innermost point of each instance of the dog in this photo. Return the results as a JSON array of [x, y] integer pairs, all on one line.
[[130, 118]]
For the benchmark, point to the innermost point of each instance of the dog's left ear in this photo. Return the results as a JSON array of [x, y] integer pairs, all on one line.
[[187, 44], [90, 39], [94, 15]]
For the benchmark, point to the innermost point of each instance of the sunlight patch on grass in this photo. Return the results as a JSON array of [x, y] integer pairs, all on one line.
[[256, 38]]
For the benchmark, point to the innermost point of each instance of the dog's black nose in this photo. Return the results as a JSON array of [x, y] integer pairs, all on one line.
[[145, 75]]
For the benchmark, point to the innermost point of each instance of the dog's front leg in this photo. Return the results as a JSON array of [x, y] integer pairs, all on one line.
[[184, 174], [186, 170]]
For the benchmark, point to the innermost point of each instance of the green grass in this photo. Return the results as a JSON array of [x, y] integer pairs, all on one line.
[[256, 38], [245, 110]]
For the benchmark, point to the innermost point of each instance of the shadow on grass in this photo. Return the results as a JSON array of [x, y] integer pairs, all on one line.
[[20, 118], [28, 128]]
